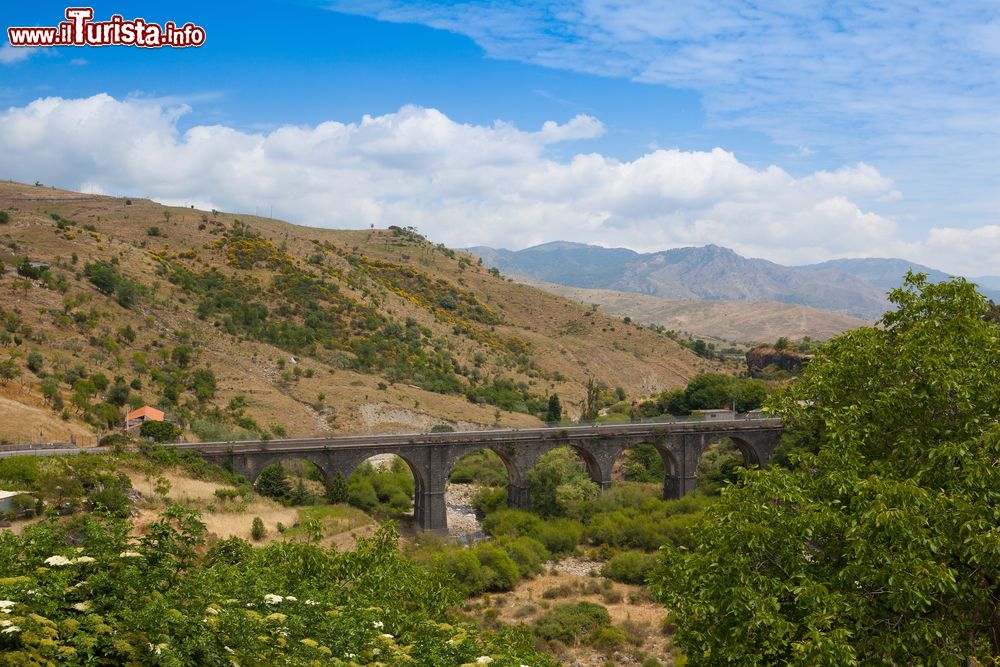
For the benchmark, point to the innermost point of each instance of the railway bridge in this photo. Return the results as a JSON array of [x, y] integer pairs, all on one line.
[[430, 456]]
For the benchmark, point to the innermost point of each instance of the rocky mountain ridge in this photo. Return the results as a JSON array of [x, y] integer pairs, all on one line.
[[855, 287]]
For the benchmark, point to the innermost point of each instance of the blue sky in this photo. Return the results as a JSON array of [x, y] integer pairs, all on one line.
[[794, 132]]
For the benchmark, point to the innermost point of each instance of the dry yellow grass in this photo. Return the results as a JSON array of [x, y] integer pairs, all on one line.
[[23, 420], [233, 519], [566, 341]]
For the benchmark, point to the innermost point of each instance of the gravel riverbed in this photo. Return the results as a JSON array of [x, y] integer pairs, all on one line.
[[462, 520]]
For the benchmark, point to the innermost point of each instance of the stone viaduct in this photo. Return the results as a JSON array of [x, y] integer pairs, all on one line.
[[431, 456]]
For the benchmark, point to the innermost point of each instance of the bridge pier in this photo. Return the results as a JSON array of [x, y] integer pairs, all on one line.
[[430, 511], [518, 496]]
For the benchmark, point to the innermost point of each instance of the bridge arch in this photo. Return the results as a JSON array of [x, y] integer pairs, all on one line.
[[514, 473], [386, 482], [596, 467], [253, 467], [750, 451], [669, 456]]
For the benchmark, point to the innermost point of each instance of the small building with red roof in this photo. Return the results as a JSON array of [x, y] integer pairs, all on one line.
[[140, 416]]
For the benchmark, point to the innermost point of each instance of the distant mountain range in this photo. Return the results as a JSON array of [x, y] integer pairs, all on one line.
[[854, 287]]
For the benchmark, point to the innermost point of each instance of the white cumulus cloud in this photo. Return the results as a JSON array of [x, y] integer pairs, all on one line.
[[457, 183]]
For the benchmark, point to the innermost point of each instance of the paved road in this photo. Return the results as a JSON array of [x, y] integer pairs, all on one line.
[[568, 433]]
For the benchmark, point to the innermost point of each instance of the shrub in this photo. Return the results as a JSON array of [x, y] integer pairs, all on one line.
[[172, 605], [571, 621], [489, 500], [464, 566], [393, 488], [512, 523], [257, 529], [560, 536], [500, 573], [559, 485], [20, 471], [607, 638], [112, 498], [527, 553], [612, 596], [230, 551], [680, 529], [118, 442], [35, 361], [629, 567]]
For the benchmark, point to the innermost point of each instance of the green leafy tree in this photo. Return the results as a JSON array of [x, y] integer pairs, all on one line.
[[119, 393], [559, 484], [591, 404], [83, 391], [8, 371], [159, 431], [273, 482], [103, 276], [881, 545], [203, 384], [50, 389], [553, 414], [181, 355], [126, 293], [100, 381], [336, 491]]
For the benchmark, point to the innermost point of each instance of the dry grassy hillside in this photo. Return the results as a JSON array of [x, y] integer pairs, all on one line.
[[735, 321], [311, 331]]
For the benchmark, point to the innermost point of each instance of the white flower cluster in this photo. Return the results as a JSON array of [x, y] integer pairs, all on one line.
[[57, 561], [271, 598], [6, 606], [60, 561]]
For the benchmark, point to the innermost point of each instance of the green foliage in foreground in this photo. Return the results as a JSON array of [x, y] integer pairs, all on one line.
[[882, 544], [87, 593]]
